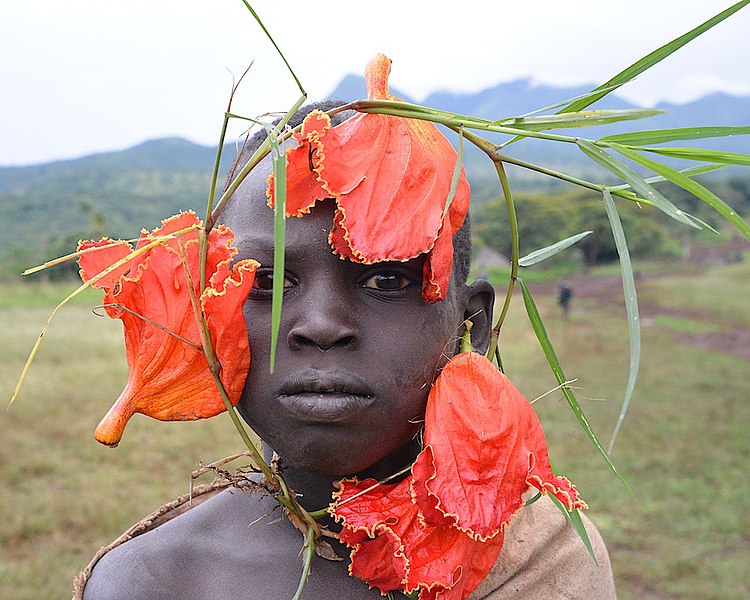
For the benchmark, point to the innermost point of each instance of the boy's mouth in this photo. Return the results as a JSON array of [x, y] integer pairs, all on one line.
[[325, 396]]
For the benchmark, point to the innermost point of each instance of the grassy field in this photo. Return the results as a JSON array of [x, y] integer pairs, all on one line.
[[682, 448]]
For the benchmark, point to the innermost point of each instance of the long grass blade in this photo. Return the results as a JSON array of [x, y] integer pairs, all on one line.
[[270, 37], [638, 184], [456, 172], [549, 352], [578, 119], [714, 156], [544, 253], [689, 172], [661, 136], [631, 308], [253, 161], [689, 185], [73, 255], [574, 518], [278, 156], [562, 103], [81, 288], [651, 59]]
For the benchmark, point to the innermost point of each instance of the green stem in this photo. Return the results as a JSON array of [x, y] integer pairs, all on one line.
[[281, 54], [413, 111], [257, 156], [513, 219], [309, 548], [466, 337], [490, 149], [217, 164], [320, 513], [626, 194], [203, 240], [268, 474], [215, 368]]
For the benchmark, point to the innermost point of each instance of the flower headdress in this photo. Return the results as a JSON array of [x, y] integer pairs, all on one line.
[[391, 178]]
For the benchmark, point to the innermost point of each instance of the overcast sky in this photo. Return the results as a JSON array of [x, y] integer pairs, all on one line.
[[84, 76]]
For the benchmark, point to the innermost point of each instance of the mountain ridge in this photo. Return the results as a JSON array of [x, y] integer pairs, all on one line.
[[138, 186]]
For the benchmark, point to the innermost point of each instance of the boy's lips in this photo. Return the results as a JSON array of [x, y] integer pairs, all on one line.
[[325, 396]]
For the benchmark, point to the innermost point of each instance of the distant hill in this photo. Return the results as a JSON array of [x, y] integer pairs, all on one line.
[[115, 193], [119, 192]]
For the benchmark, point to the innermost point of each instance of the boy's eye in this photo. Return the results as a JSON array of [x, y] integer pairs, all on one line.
[[264, 280], [390, 281]]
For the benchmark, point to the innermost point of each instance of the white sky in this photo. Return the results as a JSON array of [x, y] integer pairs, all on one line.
[[84, 76]]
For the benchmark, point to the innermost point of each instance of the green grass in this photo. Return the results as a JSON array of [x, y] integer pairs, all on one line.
[[682, 448], [683, 325], [63, 494], [721, 292]]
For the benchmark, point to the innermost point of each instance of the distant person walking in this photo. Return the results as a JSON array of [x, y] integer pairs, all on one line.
[[564, 294]]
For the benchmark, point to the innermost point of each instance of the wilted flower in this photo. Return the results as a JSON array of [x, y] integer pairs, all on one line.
[[441, 529], [391, 178], [169, 376]]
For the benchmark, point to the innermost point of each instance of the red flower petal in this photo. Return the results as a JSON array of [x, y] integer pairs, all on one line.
[[446, 563], [169, 377], [379, 563], [486, 447], [391, 179], [376, 504], [368, 519], [424, 470], [303, 186], [400, 550]]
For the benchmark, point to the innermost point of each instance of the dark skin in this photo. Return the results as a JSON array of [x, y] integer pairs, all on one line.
[[358, 351]]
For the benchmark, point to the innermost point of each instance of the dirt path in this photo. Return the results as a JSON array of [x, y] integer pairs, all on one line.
[[728, 338]]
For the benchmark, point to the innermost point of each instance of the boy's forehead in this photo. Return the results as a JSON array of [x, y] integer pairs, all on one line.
[[252, 221]]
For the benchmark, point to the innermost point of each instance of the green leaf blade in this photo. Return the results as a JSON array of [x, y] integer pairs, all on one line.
[[578, 119], [631, 308], [544, 253], [279, 238], [641, 187], [653, 58], [713, 156], [549, 352], [689, 185], [661, 136]]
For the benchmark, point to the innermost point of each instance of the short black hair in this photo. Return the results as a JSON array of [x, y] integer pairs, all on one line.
[[462, 239]]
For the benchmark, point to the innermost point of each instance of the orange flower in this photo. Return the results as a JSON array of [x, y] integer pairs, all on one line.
[[169, 377], [391, 179], [395, 549], [484, 448], [441, 529]]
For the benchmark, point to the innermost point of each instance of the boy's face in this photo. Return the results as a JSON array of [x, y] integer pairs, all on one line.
[[357, 351]]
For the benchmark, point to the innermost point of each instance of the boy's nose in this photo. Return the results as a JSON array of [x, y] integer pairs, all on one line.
[[325, 329]]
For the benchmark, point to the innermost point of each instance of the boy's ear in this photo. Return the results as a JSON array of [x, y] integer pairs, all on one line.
[[480, 299]]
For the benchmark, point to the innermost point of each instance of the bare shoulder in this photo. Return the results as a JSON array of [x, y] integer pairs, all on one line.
[[543, 558], [233, 545]]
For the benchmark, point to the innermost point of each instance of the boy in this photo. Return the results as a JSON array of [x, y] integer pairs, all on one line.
[[358, 351]]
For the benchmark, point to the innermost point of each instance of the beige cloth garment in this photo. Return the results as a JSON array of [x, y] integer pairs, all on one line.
[[543, 558]]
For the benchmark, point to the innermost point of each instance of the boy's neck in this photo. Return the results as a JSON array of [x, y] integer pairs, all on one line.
[[315, 490]]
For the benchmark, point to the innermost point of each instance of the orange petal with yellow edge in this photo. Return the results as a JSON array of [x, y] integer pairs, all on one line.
[[391, 178], [169, 377], [484, 448], [400, 551]]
